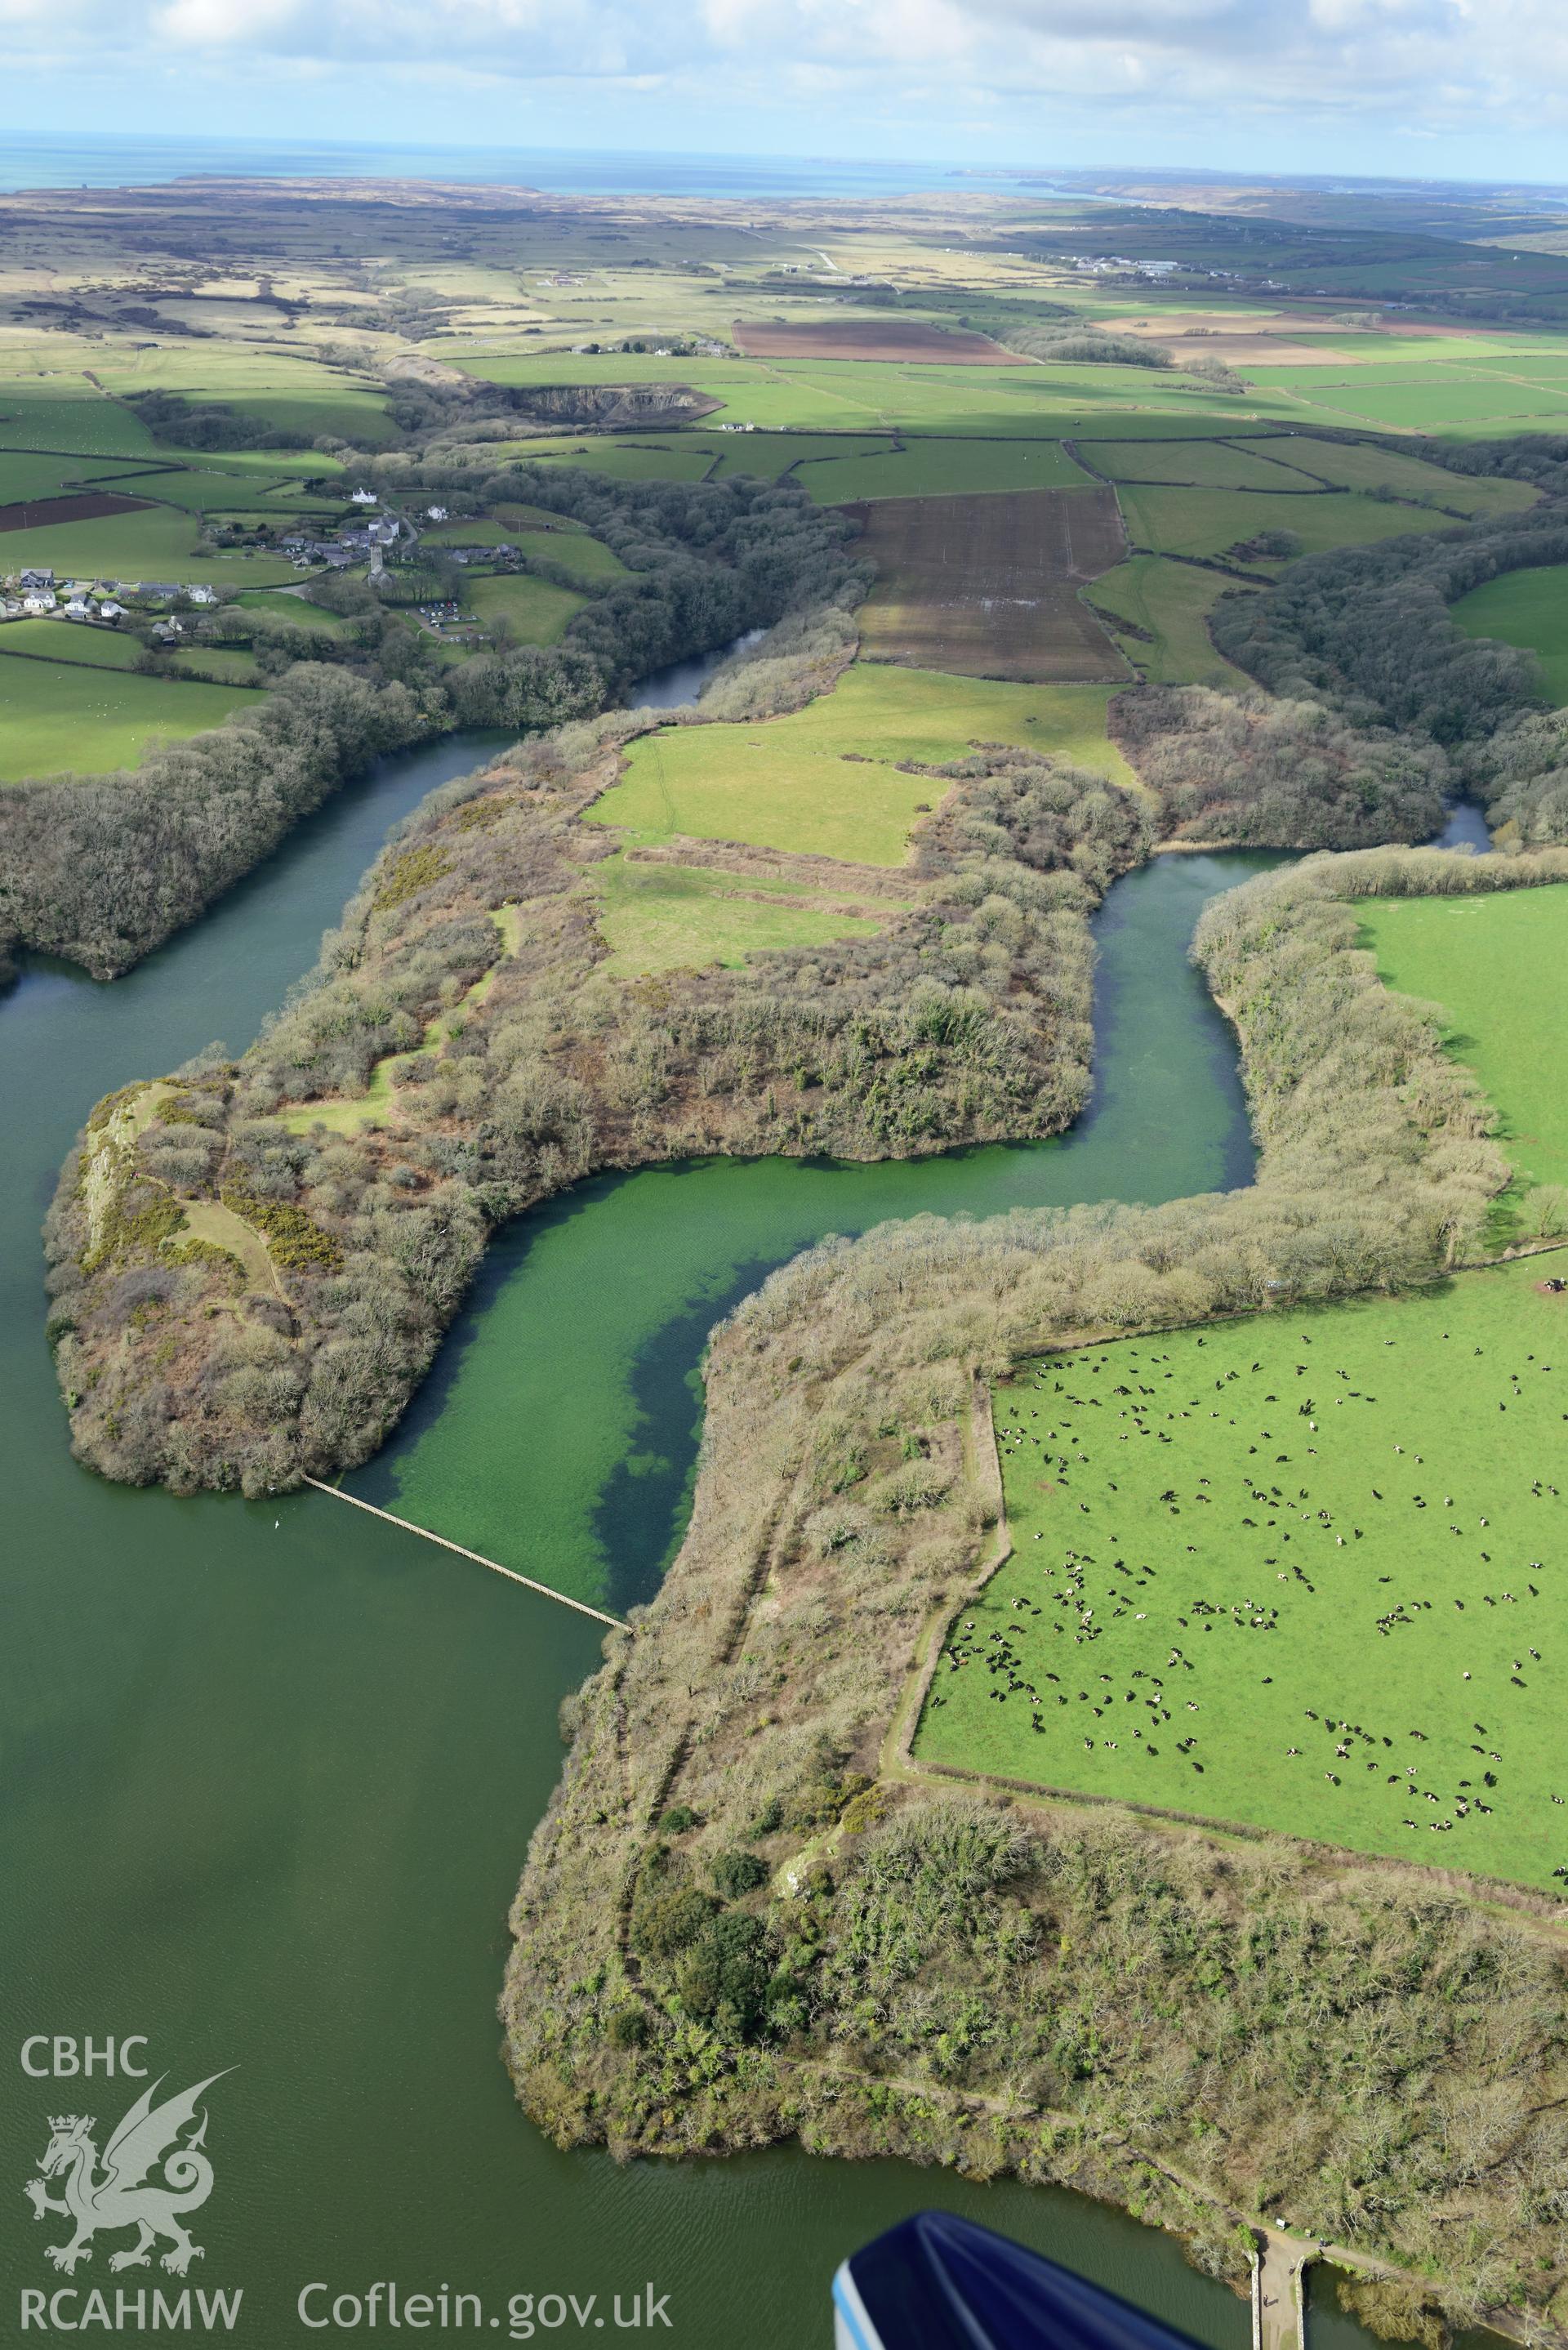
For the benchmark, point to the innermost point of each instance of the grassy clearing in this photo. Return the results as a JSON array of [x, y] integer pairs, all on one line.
[[229, 663], [823, 779], [1525, 607], [57, 721], [1168, 603], [925, 469], [1208, 522], [1278, 1547], [66, 640], [295, 609], [658, 917], [1499, 967], [466, 533], [378, 1103], [536, 611], [588, 560]]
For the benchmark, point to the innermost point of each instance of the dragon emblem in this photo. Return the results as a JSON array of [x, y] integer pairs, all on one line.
[[122, 2195]]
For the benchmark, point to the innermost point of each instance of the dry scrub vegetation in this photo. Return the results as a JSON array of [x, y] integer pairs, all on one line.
[[747, 1914]]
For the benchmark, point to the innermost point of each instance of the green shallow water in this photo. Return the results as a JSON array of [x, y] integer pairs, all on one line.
[[271, 1770], [557, 1433]]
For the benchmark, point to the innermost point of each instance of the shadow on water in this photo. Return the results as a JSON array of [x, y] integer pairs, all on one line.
[[1466, 828]]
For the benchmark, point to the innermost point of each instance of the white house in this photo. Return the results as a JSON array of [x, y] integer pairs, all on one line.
[[202, 594], [109, 610], [435, 513], [78, 608], [363, 498], [34, 602]]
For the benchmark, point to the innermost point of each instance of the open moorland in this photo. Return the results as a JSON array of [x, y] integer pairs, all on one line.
[[987, 587], [1303, 1571], [1497, 967]]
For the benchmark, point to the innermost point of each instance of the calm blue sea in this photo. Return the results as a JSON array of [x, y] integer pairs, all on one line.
[[33, 161]]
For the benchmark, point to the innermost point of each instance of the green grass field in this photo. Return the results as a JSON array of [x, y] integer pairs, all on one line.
[[230, 663], [929, 468], [769, 454], [1313, 1567], [33, 475], [1525, 607], [589, 560], [68, 640], [656, 917], [156, 543], [1353, 465], [874, 396], [291, 608], [1171, 601], [1207, 522], [57, 721], [1499, 967], [58, 415], [536, 611], [787, 783], [1208, 465], [632, 460], [1414, 396]]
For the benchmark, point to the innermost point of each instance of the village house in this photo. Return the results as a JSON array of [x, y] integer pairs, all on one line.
[[363, 498], [36, 579]]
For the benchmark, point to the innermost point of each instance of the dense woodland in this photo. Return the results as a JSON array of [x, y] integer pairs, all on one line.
[[1366, 632], [102, 868], [1265, 770], [747, 1914]]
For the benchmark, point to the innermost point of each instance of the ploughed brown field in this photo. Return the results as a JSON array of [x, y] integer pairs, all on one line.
[[987, 587], [37, 513], [867, 338]]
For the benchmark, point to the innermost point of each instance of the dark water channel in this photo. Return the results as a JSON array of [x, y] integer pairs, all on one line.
[[271, 1769]]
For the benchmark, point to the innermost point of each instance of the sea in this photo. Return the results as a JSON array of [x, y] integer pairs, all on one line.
[[40, 160]]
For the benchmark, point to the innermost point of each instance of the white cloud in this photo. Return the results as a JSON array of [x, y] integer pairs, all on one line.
[[1209, 67]]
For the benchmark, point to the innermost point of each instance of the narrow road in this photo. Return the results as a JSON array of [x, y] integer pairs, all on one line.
[[1277, 2292]]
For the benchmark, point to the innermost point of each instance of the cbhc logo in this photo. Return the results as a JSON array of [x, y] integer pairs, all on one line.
[[61, 2056]]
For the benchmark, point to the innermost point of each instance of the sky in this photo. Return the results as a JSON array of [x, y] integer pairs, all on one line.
[[1404, 88]]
